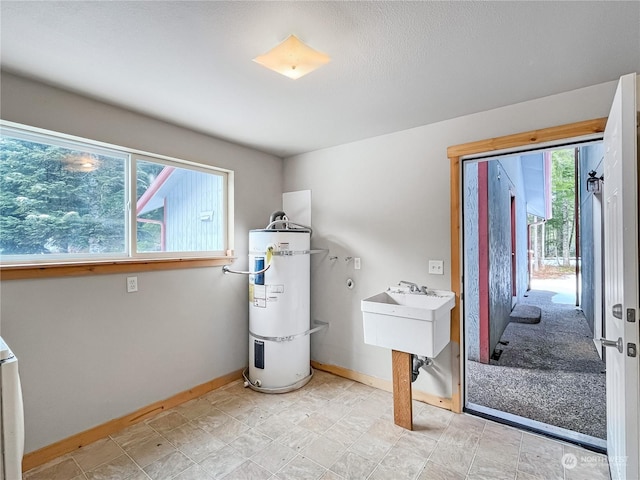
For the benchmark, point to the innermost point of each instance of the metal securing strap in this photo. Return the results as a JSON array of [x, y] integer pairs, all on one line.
[[289, 338]]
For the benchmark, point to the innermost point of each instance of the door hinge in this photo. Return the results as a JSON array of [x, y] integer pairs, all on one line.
[[631, 349]]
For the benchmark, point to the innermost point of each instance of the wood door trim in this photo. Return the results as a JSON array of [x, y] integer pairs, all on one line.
[[454, 153]]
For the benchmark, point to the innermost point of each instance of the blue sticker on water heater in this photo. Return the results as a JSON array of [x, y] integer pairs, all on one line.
[[259, 278]]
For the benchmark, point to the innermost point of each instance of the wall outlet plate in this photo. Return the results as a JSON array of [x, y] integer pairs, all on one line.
[[132, 284], [436, 267]]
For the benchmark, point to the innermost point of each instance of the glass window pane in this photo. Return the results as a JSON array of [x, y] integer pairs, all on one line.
[[61, 201], [179, 209]]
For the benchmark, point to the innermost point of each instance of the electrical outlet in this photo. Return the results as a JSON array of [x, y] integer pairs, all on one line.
[[436, 267], [356, 263], [132, 284]]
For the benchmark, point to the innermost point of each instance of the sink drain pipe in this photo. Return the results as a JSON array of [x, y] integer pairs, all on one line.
[[418, 362]]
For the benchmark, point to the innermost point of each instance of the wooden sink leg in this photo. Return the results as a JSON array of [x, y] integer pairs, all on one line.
[[402, 407]]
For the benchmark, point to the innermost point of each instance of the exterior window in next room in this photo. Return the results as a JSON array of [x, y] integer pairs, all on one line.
[[64, 200]]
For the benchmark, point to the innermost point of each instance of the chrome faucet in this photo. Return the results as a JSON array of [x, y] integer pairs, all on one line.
[[413, 288]]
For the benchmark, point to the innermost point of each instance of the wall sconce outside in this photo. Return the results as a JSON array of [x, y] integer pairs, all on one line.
[[594, 183]]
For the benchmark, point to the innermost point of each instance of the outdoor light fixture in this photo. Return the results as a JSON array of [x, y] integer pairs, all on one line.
[[292, 58], [594, 184]]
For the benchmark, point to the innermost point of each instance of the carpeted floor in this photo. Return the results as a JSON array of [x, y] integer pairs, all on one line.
[[549, 372]]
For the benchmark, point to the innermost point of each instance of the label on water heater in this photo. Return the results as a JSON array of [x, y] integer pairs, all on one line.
[[260, 296]]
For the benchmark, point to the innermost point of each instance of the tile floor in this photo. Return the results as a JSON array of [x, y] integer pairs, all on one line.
[[331, 429]]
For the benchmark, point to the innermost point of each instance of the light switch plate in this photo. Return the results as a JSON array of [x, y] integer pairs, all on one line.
[[436, 267]]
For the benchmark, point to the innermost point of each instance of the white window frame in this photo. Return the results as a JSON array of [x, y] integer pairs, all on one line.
[[130, 256]]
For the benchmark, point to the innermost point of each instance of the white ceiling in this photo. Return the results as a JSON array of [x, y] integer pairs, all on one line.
[[395, 65]]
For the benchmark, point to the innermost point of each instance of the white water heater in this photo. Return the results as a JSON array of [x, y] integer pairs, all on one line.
[[279, 309]]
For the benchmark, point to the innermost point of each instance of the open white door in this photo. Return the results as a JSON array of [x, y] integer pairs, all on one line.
[[621, 281]]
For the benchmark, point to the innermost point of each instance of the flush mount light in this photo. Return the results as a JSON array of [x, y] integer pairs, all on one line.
[[292, 58]]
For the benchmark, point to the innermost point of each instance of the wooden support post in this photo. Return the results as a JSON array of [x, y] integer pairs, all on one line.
[[402, 407]]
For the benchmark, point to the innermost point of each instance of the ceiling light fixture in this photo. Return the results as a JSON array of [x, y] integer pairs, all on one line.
[[292, 58]]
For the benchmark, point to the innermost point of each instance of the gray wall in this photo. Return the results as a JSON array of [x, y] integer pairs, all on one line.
[[386, 200], [590, 159], [88, 351], [514, 170]]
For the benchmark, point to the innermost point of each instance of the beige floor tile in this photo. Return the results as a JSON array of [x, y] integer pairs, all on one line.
[[343, 434], [121, 468], [254, 416], [96, 453], [149, 450], [357, 421], [525, 476], [352, 466], [454, 457], [385, 430], [250, 443], [139, 475], [212, 420], [416, 443], [297, 438], [184, 434], [468, 422], [335, 411], [222, 462], [431, 422], [503, 432], [274, 427], [486, 469], [316, 422], [194, 408], [200, 448], [168, 467], [167, 421], [274, 457], [196, 472], [405, 463], [301, 468], [63, 468], [371, 448], [235, 405], [504, 449], [329, 475], [228, 432], [433, 471], [249, 471], [465, 438], [324, 451], [542, 447], [541, 466], [580, 464], [132, 434]]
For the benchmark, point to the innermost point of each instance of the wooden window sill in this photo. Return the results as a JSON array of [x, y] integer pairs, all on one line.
[[51, 270]]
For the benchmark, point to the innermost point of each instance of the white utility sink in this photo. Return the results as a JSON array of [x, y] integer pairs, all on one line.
[[415, 323]]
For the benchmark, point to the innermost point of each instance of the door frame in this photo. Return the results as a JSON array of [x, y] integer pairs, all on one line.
[[534, 139]]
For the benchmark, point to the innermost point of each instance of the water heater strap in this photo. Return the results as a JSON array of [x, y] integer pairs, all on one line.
[[289, 338], [283, 253]]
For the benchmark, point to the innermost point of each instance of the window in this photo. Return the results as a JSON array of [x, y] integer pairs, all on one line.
[[68, 200]]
